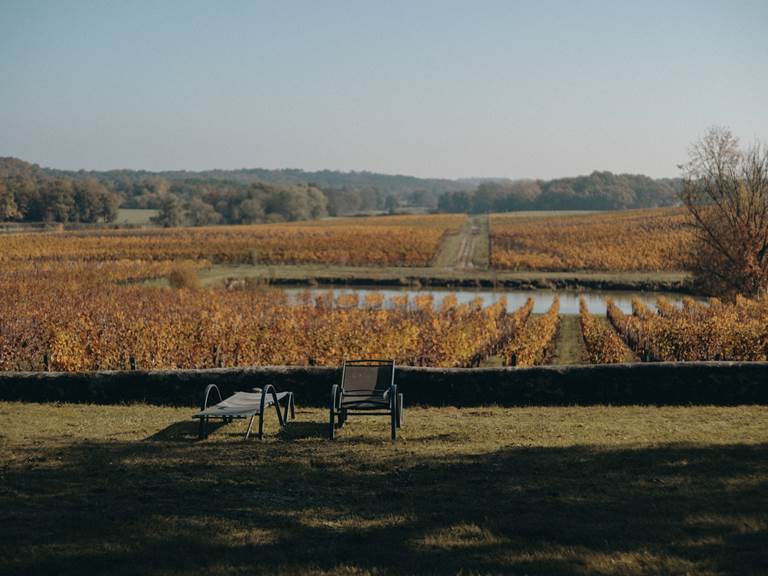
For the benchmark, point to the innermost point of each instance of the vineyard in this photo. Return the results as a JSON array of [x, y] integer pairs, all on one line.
[[77, 301], [599, 241], [379, 241], [590, 242], [74, 317], [697, 331], [535, 341], [602, 344]]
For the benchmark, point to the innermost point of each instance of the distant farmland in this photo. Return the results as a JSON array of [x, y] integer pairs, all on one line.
[[632, 240], [134, 216]]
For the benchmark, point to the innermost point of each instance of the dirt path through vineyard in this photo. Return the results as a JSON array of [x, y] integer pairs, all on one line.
[[466, 250], [569, 348]]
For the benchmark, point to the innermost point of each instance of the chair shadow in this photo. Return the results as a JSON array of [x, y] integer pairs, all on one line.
[[187, 431], [449, 437], [300, 430]]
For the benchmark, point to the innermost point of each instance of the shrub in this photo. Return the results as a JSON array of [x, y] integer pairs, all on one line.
[[184, 277]]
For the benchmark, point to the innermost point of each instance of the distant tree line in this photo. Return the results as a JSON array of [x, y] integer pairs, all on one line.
[[31, 193], [598, 191], [399, 186], [199, 204], [138, 189], [27, 193], [198, 198]]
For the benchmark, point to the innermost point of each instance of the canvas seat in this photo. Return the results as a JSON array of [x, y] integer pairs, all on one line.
[[364, 405]]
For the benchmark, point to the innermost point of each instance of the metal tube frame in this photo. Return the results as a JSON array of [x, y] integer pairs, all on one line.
[[288, 413]]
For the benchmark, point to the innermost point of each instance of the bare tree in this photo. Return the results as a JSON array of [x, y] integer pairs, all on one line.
[[725, 189]]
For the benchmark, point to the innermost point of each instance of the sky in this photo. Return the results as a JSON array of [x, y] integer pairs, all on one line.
[[519, 89]]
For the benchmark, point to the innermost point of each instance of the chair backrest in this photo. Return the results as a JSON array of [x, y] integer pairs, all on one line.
[[370, 376]]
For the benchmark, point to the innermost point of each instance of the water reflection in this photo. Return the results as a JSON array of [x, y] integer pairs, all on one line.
[[569, 299]]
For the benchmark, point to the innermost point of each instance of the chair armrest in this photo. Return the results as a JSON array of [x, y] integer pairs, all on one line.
[[391, 395], [336, 394], [269, 389], [207, 393]]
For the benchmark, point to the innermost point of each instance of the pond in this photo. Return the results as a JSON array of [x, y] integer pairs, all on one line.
[[569, 299]]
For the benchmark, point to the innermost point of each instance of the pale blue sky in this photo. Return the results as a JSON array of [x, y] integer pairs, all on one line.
[[451, 89]]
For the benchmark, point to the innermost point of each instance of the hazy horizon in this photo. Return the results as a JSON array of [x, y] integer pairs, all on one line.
[[238, 168], [518, 90]]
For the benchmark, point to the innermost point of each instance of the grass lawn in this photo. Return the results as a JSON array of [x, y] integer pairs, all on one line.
[[570, 347], [600, 490], [371, 274]]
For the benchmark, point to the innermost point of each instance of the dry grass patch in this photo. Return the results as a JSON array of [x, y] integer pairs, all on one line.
[[598, 490]]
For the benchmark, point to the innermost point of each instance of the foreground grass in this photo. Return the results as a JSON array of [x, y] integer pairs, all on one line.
[[631, 490]]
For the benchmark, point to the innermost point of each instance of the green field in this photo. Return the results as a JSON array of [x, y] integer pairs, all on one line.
[[302, 274], [134, 216], [599, 490]]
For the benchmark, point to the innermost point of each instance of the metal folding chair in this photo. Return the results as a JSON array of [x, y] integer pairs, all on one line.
[[367, 388]]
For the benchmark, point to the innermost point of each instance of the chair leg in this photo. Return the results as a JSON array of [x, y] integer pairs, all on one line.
[[400, 411], [250, 426], [290, 409], [201, 431], [261, 424], [394, 424], [333, 413], [283, 421]]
